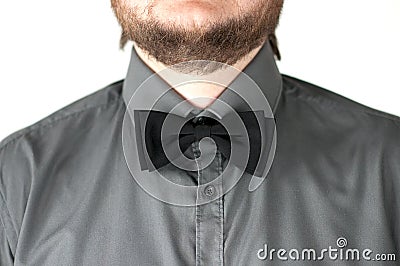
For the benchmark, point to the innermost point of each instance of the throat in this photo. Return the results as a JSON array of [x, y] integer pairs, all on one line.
[[199, 94]]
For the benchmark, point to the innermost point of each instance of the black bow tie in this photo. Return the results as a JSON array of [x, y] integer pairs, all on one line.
[[149, 125]]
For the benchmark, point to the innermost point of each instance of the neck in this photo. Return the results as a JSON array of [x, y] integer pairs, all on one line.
[[200, 94]]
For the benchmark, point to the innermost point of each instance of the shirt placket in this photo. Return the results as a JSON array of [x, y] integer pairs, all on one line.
[[209, 216]]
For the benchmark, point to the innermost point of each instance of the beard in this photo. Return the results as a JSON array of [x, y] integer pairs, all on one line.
[[199, 49]]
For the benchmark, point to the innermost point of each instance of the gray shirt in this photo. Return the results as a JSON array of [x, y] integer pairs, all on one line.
[[67, 195]]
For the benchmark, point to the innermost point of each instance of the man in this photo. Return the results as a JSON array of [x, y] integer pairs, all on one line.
[[75, 188]]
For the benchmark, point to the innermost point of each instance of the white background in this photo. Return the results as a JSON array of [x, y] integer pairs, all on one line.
[[55, 52]]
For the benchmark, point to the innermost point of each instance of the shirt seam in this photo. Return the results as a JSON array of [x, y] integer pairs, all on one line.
[[343, 106], [198, 210], [220, 209], [5, 215]]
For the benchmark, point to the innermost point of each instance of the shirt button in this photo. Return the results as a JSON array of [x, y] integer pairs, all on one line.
[[209, 190], [200, 120]]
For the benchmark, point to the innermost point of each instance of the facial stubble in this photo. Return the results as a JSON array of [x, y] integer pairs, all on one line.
[[225, 41]]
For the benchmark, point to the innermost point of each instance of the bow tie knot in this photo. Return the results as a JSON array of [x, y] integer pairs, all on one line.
[[202, 131]]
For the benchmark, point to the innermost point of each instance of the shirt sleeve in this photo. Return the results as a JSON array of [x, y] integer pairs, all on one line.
[[7, 231], [391, 178], [6, 256]]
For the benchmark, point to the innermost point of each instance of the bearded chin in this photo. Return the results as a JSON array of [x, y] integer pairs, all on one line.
[[199, 50]]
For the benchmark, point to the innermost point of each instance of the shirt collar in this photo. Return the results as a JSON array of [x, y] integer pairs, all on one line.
[[262, 70]]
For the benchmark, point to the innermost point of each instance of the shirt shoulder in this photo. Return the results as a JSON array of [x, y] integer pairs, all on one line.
[[28, 151], [108, 95], [326, 99], [331, 116]]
